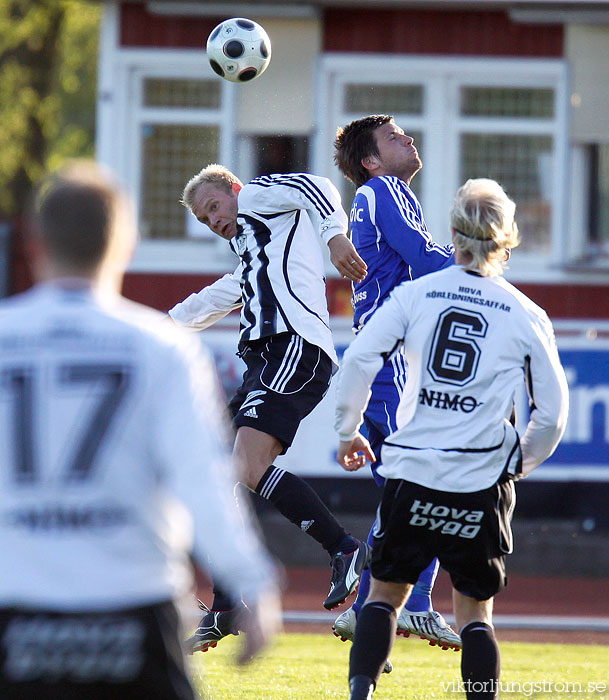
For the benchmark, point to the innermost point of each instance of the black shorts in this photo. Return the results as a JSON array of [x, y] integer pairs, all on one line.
[[286, 377], [131, 654], [470, 533]]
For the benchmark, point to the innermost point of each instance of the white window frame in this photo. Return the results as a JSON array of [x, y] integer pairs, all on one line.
[[120, 117], [442, 125]]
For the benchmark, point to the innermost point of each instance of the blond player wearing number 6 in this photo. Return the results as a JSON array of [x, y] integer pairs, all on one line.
[[470, 339]]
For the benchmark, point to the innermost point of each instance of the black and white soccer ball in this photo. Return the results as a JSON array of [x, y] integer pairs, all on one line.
[[239, 50]]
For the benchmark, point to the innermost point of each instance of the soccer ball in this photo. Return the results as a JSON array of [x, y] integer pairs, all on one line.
[[239, 50]]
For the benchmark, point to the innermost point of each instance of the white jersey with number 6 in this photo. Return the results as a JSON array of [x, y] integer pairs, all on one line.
[[470, 342], [112, 459]]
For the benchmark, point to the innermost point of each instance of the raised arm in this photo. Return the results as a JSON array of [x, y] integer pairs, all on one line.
[[360, 364], [321, 200], [202, 309]]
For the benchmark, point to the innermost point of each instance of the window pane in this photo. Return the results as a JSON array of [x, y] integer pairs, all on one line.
[[603, 191], [522, 166], [348, 189], [384, 99], [281, 154], [172, 155], [599, 199], [172, 92], [507, 102]]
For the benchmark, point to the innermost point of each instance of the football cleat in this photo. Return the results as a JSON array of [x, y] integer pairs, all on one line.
[[346, 570], [344, 629], [344, 625], [429, 625], [214, 626]]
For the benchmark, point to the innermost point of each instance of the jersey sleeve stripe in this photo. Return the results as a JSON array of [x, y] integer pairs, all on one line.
[[409, 215], [304, 185], [403, 205]]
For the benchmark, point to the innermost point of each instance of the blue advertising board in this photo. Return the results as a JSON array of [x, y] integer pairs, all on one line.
[[583, 453]]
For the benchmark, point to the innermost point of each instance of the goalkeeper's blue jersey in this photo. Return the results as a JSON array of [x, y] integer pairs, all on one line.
[[389, 232]]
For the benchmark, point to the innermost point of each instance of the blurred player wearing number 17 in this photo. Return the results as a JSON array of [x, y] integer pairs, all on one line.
[[114, 470]]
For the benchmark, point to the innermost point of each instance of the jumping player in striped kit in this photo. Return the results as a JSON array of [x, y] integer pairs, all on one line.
[[388, 229], [275, 225]]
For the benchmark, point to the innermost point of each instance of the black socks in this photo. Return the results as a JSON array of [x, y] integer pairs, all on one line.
[[480, 661], [361, 688], [373, 641], [297, 501], [222, 601]]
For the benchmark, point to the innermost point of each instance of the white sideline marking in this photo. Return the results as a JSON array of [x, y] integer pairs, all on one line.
[[540, 622]]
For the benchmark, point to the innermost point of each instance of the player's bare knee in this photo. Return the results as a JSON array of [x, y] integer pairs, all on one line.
[[395, 594], [254, 453], [469, 609]]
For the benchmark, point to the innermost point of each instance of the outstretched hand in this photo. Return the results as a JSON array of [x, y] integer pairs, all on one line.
[[352, 455], [346, 259], [260, 622]]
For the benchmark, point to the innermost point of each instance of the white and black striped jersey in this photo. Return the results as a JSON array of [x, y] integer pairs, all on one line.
[[112, 465], [280, 282], [469, 341]]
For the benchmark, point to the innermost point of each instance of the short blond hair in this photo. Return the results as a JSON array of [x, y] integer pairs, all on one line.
[[482, 217], [213, 174]]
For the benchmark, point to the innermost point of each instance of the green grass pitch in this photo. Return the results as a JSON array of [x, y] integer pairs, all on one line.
[[314, 667]]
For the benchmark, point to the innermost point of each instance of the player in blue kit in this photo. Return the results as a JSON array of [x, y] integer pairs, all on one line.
[[389, 232]]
